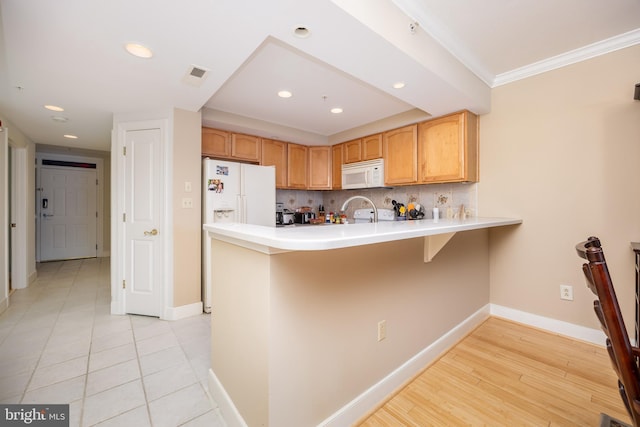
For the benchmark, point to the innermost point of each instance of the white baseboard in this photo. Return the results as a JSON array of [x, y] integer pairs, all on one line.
[[183, 311], [594, 336], [370, 398], [32, 277], [377, 393], [220, 398]]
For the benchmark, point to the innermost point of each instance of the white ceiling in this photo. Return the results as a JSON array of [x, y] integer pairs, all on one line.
[[449, 54]]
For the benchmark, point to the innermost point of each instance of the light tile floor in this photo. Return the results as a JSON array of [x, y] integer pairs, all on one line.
[[59, 344]]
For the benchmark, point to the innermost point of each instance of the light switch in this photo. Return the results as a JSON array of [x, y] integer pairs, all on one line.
[[187, 186]]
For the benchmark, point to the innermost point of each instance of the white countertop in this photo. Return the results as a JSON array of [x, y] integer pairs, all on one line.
[[325, 237]]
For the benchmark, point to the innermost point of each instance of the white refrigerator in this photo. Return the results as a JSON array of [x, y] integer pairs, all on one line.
[[234, 192]]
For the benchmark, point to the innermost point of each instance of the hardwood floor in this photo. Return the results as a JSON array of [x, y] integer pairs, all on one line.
[[508, 374]]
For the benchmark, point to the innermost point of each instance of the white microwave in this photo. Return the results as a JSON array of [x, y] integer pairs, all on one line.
[[367, 174]]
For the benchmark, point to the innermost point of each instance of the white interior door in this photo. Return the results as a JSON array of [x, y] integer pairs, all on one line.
[[144, 281], [68, 213]]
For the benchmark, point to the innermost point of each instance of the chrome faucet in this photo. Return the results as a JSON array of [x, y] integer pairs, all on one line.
[[375, 210]]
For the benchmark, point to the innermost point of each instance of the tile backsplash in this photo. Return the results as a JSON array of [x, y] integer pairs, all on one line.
[[443, 196], [293, 199]]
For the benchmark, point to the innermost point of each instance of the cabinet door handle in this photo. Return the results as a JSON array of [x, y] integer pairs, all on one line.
[[151, 233]]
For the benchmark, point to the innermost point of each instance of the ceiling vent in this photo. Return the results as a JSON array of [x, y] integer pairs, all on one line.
[[195, 75]]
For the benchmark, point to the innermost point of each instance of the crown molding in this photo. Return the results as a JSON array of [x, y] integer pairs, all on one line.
[[577, 55]]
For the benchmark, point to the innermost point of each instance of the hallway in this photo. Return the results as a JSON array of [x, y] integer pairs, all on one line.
[[59, 344]]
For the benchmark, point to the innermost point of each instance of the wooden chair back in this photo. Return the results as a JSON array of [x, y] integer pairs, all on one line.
[[624, 356]]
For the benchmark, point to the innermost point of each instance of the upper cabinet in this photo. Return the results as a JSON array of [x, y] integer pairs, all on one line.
[[245, 147], [319, 167], [216, 143], [440, 150], [448, 149], [367, 148], [352, 151], [274, 153], [372, 147], [232, 146], [336, 166], [399, 147], [297, 166]]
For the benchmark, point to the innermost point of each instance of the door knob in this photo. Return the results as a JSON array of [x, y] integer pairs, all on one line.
[[13, 225], [151, 233]]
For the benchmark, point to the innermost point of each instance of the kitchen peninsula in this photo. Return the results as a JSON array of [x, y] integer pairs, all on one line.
[[317, 324]]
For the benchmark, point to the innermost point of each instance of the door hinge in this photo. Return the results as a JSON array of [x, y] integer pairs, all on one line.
[[96, 182], [124, 217], [124, 284], [124, 151], [96, 247], [96, 214]]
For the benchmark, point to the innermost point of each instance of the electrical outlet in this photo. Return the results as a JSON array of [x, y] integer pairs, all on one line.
[[187, 203], [566, 292], [382, 330]]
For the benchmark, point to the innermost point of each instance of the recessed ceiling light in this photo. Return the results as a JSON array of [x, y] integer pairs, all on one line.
[[301, 32], [336, 110], [59, 119], [138, 50], [53, 108], [285, 94], [70, 136], [398, 85]]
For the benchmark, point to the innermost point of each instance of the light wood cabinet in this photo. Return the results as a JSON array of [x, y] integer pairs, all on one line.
[[216, 143], [319, 166], [274, 153], [297, 166], [352, 151], [336, 166], [448, 149], [227, 145], [245, 147], [372, 147], [444, 149], [367, 148], [400, 152]]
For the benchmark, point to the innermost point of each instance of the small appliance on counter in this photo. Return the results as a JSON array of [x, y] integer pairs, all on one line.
[[304, 217], [279, 213], [288, 217]]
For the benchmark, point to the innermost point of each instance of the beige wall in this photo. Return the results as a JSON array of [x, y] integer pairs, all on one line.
[[561, 150], [187, 225], [301, 327]]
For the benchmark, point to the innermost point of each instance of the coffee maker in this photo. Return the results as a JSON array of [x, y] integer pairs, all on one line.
[[279, 213]]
